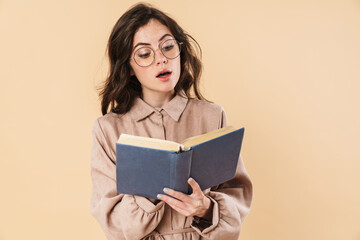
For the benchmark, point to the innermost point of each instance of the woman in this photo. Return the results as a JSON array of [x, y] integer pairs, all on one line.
[[153, 69]]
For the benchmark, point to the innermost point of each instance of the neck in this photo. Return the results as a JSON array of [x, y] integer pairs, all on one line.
[[156, 99]]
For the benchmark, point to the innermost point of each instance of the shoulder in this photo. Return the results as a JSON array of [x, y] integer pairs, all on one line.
[[107, 123], [207, 113], [107, 119], [204, 106]]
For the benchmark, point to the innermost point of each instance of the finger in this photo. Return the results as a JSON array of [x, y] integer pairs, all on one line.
[[184, 212], [191, 203], [171, 201], [195, 187], [179, 195]]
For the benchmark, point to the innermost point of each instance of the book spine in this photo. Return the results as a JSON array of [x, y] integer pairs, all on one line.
[[180, 171]]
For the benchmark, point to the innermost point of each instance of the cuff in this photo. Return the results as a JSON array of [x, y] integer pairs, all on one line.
[[147, 205], [203, 226]]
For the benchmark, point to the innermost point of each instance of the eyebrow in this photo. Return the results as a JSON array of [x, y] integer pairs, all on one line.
[[147, 44]]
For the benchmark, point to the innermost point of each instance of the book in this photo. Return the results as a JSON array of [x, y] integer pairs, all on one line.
[[144, 166]]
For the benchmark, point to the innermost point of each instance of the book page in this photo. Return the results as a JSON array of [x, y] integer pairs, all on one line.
[[149, 142], [187, 143]]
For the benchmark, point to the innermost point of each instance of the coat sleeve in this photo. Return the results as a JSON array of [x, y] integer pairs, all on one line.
[[121, 216], [232, 202]]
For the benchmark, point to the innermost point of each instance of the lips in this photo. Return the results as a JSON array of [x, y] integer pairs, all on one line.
[[163, 73]]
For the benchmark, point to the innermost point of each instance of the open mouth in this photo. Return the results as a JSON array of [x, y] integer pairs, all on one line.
[[164, 74]]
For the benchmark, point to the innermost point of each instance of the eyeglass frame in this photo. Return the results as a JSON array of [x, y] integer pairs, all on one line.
[[160, 44]]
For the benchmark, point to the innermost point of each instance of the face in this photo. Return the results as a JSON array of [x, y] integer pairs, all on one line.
[[153, 35]]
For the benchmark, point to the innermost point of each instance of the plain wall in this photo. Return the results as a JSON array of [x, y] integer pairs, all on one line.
[[288, 71]]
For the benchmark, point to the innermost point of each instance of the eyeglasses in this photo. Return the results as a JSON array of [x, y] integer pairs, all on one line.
[[145, 56]]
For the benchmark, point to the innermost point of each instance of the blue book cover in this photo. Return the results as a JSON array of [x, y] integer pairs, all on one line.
[[146, 171]]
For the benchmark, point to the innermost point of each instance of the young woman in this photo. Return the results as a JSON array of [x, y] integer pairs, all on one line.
[[153, 69]]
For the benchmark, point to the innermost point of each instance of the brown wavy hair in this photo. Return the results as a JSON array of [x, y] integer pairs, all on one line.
[[120, 88]]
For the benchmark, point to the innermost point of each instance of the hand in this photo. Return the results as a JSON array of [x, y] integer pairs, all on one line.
[[196, 204]]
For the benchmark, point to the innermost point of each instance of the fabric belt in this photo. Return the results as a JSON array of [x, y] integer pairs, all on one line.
[[156, 234]]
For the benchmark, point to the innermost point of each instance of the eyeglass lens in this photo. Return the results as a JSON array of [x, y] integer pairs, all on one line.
[[145, 56]]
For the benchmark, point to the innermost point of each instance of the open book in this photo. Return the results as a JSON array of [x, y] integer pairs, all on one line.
[[144, 166]]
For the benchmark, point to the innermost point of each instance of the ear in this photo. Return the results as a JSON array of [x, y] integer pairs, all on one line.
[[132, 73]]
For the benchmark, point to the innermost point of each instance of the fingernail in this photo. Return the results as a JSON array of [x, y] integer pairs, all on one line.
[[166, 190], [190, 179], [159, 196]]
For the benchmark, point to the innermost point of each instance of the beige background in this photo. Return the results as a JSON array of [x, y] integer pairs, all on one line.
[[286, 70]]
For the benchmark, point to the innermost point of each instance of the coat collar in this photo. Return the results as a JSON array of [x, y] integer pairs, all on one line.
[[175, 107]]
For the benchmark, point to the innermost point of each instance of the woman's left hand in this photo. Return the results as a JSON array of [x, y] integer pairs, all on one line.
[[196, 204]]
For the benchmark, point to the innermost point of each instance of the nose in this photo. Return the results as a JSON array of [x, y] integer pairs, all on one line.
[[159, 57]]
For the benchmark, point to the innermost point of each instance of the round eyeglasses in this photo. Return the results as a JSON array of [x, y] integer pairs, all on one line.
[[145, 56]]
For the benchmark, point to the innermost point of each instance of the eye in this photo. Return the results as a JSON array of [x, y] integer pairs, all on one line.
[[168, 47], [143, 53]]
